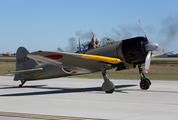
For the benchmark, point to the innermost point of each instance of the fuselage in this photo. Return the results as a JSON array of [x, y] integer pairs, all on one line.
[[130, 51]]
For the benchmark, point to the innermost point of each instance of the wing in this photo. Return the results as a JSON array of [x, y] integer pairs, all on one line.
[[63, 59], [160, 54]]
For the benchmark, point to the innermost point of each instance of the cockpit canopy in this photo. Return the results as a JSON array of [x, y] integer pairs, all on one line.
[[84, 47], [107, 39], [87, 45]]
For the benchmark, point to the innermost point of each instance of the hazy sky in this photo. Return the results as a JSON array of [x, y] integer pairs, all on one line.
[[49, 24]]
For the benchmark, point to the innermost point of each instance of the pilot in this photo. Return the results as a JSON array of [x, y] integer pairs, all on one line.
[[94, 44]]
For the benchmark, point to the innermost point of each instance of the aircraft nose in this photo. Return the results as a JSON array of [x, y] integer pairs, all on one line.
[[151, 46]]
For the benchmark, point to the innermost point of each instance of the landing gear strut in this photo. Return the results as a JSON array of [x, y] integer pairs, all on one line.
[[107, 86], [22, 83], [144, 83]]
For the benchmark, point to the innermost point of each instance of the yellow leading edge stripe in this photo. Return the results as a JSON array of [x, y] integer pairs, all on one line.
[[103, 59]]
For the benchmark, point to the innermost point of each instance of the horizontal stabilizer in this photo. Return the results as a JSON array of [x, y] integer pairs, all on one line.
[[160, 54], [25, 72]]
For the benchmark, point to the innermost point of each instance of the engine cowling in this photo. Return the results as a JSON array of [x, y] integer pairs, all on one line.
[[133, 50]]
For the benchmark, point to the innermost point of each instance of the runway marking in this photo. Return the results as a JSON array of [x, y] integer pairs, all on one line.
[[46, 117], [82, 88]]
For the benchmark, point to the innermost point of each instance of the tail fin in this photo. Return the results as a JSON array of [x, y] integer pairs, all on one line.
[[23, 62]]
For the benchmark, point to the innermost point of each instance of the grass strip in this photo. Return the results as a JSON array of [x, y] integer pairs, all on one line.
[[159, 70]]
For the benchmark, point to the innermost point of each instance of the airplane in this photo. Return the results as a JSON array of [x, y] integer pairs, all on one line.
[[122, 54]]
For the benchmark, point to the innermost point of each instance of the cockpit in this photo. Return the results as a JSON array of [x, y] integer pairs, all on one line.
[[87, 45], [84, 47], [107, 39]]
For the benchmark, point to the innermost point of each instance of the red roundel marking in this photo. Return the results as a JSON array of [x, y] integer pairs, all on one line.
[[54, 57], [66, 70]]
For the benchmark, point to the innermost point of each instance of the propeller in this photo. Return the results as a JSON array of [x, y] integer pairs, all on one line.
[[143, 30], [149, 47], [147, 61], [160, 49]]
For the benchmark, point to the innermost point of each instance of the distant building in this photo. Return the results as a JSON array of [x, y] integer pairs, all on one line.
[[6, 54]]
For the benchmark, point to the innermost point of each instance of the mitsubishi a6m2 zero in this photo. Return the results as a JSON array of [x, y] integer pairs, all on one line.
[[123, 54]]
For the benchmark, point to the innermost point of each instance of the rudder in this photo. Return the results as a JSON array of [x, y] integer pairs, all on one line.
[[23, 62]]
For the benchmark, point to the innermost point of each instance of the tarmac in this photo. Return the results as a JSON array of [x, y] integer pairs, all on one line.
[[83, 99]]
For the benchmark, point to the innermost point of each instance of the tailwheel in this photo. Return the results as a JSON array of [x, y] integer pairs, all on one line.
[[22, 83], [145, 84]]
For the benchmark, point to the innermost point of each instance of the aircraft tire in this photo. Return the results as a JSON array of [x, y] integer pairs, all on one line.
[[111, 91], [145, 84]]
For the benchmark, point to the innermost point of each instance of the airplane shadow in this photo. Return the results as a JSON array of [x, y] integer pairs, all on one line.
[[59, 90]]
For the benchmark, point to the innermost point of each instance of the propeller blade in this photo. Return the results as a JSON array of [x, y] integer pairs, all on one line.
[[159, 49], [143, 30], [147, 61]]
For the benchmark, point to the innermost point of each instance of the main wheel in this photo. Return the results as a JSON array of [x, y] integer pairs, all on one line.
[[148, 80], [145, 84], [111, 91]]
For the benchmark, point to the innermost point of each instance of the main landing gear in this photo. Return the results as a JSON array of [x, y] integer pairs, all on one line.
[[107, 86], [22, 83], [144, 83]]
